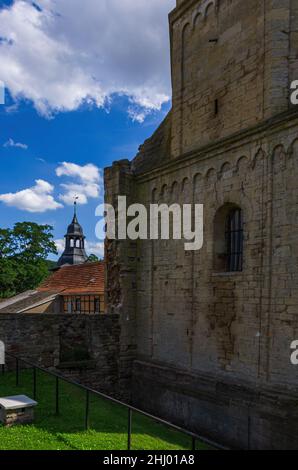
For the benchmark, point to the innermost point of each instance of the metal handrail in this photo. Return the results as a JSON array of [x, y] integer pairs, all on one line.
[[195, 437]]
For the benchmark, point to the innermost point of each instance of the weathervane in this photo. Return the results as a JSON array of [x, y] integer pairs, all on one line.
[[75, 204]]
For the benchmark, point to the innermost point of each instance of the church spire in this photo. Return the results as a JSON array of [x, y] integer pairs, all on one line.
[[75, 220], [74, 252]]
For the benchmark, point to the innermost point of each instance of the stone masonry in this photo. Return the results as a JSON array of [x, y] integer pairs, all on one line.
[[83, 348], [207, 349]]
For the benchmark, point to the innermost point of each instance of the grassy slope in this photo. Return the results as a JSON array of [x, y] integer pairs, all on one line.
[[108, 422]]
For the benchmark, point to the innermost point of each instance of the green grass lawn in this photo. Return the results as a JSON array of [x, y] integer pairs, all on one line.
[[108, 422]]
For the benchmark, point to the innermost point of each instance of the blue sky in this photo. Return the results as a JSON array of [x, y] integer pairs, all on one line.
[[69, 114]]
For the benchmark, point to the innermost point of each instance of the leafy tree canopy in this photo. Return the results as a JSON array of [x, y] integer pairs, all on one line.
[[23, 257], [92, 258]]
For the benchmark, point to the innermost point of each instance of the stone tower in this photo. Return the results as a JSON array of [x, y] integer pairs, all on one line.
[[207, 346], [74, 252]]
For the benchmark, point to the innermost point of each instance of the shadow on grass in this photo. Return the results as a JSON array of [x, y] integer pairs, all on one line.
[[108, 422]]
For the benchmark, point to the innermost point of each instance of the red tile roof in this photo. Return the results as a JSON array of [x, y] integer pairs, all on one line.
[[85, 278]]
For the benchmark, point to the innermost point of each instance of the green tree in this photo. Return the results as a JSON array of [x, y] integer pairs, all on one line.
[[23, 257], [92, 258]]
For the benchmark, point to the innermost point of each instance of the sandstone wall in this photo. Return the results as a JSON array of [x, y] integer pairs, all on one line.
[[234, 328], [120, 277], [211, 350], [83, 348], [239, 323], [193, 323], [231, 68]]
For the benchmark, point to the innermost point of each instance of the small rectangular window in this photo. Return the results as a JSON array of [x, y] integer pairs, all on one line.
[[234, 241], [216, 107], [78, 305], [97, 305]]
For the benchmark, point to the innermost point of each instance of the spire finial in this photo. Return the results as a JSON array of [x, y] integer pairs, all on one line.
[[75, 207]]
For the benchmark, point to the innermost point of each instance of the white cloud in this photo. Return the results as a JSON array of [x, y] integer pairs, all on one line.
[[62, 54], [88, 173], [60, 245], [95, 248], [80, 191], [88, 182], [136, 114], [12, 143], [36, 199], [12, 109]]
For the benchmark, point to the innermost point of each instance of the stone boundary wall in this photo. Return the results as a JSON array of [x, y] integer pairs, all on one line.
[[81, 347], [232, 413]]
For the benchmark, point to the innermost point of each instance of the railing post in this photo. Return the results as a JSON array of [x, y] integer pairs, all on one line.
[[17, 372], [34, 383], [193, 443], [130, 409], [129, 427], [87, 410], [57, 396]]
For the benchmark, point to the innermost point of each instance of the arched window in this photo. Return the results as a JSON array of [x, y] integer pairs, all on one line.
[[228, 239], [234, 240]]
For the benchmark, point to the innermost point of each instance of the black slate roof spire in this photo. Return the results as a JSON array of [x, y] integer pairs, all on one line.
[[74, 252]]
